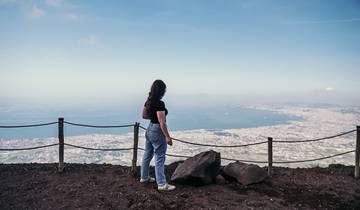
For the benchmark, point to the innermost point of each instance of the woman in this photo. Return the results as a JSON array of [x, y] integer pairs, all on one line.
[[157, 136]]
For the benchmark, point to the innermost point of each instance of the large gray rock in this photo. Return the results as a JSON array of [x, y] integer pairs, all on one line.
[[198, 170], [245, 173]]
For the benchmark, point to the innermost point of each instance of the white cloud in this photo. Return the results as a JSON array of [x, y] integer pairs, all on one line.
[[37, 12], [89, 40], [329, 89], [54, 3]]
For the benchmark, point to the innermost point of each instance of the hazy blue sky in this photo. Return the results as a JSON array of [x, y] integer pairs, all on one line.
[[82, 51]]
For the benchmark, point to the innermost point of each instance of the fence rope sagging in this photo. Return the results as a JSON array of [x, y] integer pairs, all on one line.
[[171, 155], [27, 126], [135, 147], [29, 148], [99, 149], [214, 145], [318, 139], [256, 161], [246, 161], [142, 127], [187, 156], [315, 159], [99, 126], [263, 142]]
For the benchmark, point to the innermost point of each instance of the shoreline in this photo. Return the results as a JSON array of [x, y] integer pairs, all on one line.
[[318, 122]]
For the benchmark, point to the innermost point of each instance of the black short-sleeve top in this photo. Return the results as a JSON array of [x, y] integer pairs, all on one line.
[[152, 112]]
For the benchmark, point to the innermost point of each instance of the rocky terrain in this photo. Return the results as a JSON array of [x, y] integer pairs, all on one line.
[[96, 186]]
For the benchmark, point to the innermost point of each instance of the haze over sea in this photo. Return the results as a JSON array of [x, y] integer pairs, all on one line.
[[236, 72]]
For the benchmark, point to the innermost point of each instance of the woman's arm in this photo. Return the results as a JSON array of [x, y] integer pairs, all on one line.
[[145, 113], [162, 120]]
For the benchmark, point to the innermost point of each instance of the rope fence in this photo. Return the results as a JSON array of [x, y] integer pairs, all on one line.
[[142, 127], [99, 126], [262, 142], [246, 161], [318, 139], [213, 145], [170, 155], [98, 149], [315, 159], [135, 147], [29, 148], [256, 161], [27, 126]]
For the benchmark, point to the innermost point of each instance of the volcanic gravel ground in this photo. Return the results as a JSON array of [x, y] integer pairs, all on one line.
[[94, 186]]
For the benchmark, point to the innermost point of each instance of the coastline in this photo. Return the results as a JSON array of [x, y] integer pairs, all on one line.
[[317, 122]]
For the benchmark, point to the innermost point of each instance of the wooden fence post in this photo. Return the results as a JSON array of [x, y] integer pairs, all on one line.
[[135, 149], [357, 152], [270, 156], [61, 144]]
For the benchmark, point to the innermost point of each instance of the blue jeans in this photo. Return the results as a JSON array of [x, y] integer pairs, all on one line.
[[155, 144]]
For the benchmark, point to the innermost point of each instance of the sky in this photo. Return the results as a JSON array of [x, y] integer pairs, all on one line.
[[72, 52]]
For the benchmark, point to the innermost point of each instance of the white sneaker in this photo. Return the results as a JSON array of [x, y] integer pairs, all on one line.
[[150, 180], [166, 187]]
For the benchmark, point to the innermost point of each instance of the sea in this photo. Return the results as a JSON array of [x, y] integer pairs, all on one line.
[[177, 120], [220, 125]]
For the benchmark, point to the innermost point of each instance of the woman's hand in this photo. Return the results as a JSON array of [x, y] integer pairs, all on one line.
[[169, 141]]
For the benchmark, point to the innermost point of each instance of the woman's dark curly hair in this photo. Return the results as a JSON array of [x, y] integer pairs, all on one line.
[[158, 89]]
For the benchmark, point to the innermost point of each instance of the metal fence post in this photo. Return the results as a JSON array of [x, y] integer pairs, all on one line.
[[135, 149], [357, 152], [270, 156], [61, 144]]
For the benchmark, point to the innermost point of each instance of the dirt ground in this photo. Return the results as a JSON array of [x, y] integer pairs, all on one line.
[[92, 186]]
